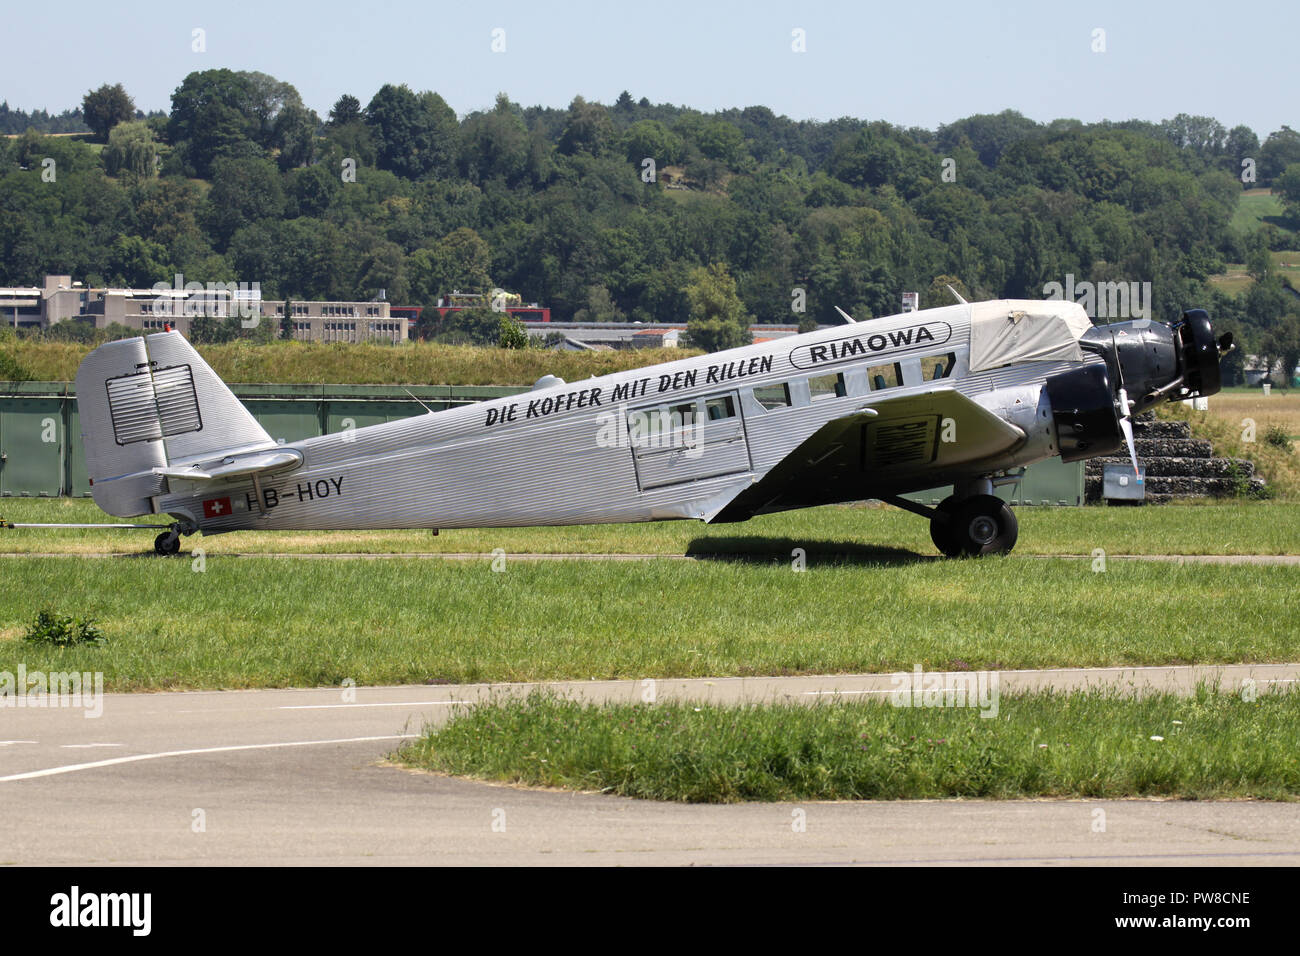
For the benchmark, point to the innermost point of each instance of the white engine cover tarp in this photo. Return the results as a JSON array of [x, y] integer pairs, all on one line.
[[1004, 332]]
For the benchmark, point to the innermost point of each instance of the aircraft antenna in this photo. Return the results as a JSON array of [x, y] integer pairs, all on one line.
[[957, 295], [417, 400], [845, 315]]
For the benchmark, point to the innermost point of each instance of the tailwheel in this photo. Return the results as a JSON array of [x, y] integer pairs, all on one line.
[[169, 542], [982, 524]]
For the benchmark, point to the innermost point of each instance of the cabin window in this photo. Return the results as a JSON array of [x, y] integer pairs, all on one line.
[[938, 366], [885, 376], [773, 396], [681, 416], [716, 409], [826, 386]]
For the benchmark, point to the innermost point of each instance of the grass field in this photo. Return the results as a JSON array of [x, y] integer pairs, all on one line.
[[267, 622], [413, 363], [1094, 745], [1226, 426], [1256, 207], [1280, 408], [863, 532]]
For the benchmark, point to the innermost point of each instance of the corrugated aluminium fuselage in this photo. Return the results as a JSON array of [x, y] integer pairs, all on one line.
[[588, 452]]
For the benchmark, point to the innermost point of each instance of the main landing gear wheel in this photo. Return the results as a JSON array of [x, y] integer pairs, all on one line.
[[979, 525], [941, 527], [169, 542]]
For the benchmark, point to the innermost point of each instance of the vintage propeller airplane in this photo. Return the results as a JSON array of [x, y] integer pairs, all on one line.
[[965, 395]]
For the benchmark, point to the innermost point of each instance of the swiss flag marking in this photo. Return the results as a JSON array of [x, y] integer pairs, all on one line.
[[216, 507]]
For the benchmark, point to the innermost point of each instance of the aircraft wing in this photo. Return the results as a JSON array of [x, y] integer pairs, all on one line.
[[235, 466], [883, 444]]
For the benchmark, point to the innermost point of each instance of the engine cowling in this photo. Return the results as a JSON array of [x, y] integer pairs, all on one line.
[[1083, 411], [1201, 353]]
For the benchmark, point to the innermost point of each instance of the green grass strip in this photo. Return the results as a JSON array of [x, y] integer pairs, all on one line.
[[266, 622], [1090, 745]]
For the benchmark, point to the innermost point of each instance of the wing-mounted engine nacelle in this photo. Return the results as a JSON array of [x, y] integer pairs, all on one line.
[[1083, 411]]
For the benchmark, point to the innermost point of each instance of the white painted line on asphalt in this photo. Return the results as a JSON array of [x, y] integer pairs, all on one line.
[[819, 693], [406, 703], [87, 746], [10, 743], [72, 768]]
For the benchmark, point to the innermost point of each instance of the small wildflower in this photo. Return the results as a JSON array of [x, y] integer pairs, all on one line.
[[1154, 737]]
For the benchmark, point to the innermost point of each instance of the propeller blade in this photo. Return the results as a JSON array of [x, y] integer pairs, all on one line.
[[1126, 426]]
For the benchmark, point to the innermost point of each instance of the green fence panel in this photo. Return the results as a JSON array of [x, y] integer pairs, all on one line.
[[1048, 482], [33, 439], [341, 415], [77, 477], [285, 419]]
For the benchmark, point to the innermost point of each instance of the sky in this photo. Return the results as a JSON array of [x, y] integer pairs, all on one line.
[[910, 62]]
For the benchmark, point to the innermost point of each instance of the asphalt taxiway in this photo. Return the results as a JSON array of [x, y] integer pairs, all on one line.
[[301, 777]]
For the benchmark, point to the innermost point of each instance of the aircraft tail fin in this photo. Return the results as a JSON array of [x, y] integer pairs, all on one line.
[[148, 404]]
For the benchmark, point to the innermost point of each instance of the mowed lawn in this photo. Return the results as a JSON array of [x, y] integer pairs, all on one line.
[[259, 621], [1195, 528]]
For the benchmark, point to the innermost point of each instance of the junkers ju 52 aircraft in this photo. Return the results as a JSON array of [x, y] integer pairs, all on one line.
[[965, 395]]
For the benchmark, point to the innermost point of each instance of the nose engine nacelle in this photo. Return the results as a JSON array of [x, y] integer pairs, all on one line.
[[1151, 361]]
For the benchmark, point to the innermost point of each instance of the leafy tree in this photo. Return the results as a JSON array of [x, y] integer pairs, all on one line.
[[105, 107], [346, 109], [1259, 263], [414, 135], [294, 136], [243, 191], [131, 149], [1287, 185], [469, 327], [987, 134], [457, 262], [650, 138], [600, 307], [494, 144], [717, 316], [214, 113], [1279, 151], [1283, 341], [138, 263], [513, 335], [587, 129]]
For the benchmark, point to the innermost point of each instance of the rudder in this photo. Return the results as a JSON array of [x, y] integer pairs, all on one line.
[[151, 402]]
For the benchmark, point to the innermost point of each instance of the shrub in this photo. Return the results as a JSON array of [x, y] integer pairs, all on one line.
[[1276, 436], [58, 631]]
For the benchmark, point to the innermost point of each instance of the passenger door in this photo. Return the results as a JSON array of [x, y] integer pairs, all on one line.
[[677, 442]]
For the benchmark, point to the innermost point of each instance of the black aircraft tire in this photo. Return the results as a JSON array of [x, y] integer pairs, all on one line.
[[984, 524], [941, 527], [167, 543]]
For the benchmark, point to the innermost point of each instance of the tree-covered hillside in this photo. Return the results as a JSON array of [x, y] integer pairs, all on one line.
[[640, 211]]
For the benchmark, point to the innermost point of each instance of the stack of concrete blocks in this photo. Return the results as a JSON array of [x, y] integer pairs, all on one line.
[[1177, 465]]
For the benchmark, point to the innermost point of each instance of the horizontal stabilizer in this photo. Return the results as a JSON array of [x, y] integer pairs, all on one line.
[[235, 466]]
